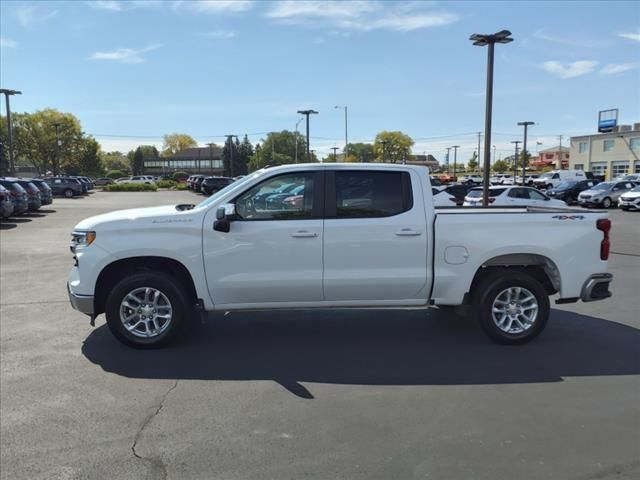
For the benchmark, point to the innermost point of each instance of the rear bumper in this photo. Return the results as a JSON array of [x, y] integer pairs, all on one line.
[[82, 303], [596, 287]]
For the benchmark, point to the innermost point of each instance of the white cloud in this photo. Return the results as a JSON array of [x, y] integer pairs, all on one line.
[[570, 70], [615, 68], [7, 43], [112, 5], [124, 55], [32, 15], [214, 6], [359, 15], [221, 34], [630, 36]]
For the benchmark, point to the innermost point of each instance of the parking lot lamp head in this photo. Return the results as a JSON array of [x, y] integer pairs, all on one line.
[[482, 40]]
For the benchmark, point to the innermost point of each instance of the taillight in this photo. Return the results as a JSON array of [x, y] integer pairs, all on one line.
[[15, 193], [604, 225]]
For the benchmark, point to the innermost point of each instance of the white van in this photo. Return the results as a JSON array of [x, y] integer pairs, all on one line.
[[556, 177]]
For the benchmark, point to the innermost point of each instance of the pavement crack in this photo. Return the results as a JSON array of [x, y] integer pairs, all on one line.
[[158, 468]]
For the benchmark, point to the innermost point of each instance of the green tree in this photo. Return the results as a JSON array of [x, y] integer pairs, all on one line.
[[392, 146], [472, 165], [90, 160], [360, 152], [115, 161], [500, 166], [137, 166], [279, 148], [34, 140], [176, 142], [244, 154]]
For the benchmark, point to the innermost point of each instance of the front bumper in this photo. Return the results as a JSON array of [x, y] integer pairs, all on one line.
[[596, 287], [635, 204], [82, 303]]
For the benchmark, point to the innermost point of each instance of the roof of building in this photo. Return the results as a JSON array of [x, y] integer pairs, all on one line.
[[554, 149]]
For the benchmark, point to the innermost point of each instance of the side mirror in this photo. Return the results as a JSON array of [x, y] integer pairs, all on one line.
[[224, 215]]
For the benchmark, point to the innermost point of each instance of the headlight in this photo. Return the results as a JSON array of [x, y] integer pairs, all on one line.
[[82, 239]]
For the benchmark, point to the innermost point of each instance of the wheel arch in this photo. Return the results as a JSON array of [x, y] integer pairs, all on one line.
[[115, 271], [538, 266]]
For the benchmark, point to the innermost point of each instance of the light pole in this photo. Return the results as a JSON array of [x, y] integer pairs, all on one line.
[[384, 149], [455, 158], [448, 171], [515, 161], [7, 93], [230, 140], [211, 156], [524, 148], [56, 163], [481, 40], [494, 153], [297, 123], [335, 157], [346, 135], [306, 113]]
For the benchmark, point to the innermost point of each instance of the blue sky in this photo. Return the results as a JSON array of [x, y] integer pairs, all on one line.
[[133, 71]]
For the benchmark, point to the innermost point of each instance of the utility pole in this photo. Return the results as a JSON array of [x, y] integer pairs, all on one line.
[[7, 93], [455, 158], [515, 161], [335, 157], [524, 149], [306, 113], [560, 152], [297, 123], [230, 141], [56, 163], [211, 156], [384, 150], [478, 159], [448, 171]]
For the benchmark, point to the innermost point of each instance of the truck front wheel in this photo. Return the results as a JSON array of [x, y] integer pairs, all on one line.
[[146, 310], [512, 307]]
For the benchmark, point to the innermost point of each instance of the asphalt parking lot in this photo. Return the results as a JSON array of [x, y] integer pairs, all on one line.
[[318, 395]]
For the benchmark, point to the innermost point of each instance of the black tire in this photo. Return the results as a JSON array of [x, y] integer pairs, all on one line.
[[606, 202], [489, 289], [68, 193], [168, 286]]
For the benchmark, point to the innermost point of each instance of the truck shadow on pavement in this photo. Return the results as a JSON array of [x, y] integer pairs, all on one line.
[[373, 348]]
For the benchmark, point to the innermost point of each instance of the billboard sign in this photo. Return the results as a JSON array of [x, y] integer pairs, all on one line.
[[607, 120]]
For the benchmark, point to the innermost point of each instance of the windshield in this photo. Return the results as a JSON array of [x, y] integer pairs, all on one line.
[[603, 186], [232, 186], [477, 193], [637, 189], [566, 185]]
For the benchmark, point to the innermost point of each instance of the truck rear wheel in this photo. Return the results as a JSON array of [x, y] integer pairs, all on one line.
[[512, 307], [146, 310]]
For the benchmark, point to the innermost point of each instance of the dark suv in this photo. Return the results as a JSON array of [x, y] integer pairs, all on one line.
[[46, 194], [65, 186], [33, 193], [211, 185], [569, 191], [18, 194]]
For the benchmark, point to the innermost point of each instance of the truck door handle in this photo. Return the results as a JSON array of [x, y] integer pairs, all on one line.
[[304, 234], [407, 232]]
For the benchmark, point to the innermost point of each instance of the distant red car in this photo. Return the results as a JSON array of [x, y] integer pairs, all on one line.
[[446, 178], [294, 201]]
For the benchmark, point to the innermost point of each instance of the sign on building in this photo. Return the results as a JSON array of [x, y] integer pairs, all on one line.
[[607, 120]]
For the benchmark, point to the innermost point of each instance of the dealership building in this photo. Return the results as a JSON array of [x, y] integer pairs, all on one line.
[[612, 153]]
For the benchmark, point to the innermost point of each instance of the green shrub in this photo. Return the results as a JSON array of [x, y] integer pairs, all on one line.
[[181, 186], [115, 174], [130, 187], [180, 176], [166, 183]]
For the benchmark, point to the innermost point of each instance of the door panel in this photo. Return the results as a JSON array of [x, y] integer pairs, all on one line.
[[273, 251], [370, 253]]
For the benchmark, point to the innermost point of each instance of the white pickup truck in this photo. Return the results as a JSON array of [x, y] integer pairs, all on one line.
[[345, 235]]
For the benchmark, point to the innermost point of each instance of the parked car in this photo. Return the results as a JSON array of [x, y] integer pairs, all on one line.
[[19, 196], [472, 179], [496, 179], [441, 198], [104, 181], [633, 177], [275, 201], [446, 178], [548, 180], [68, 187], [87, 181], [528, 179], [191, 181], [458, 191], [508, 180], [197, 183], [512, 196], [392, 250], [46, 194], [33, 193], [435, 181], [569, 190], [605, 194], [136, 179], [260, 198], [211, 185], [630, 200], [6, 205]]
